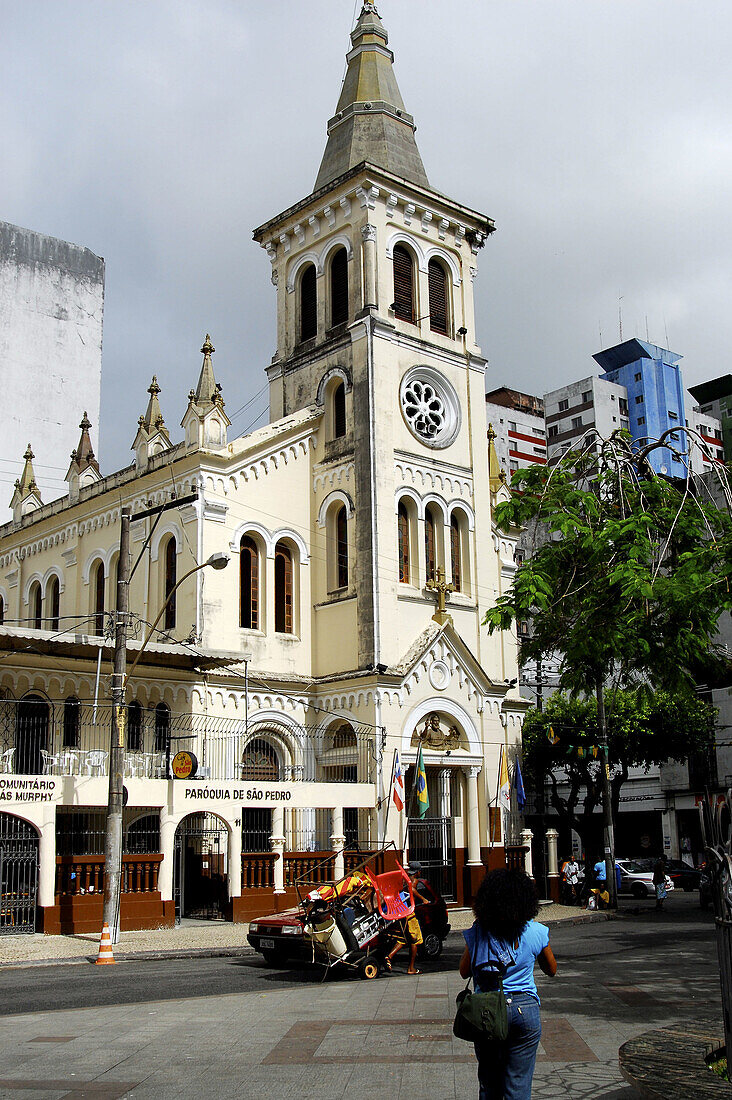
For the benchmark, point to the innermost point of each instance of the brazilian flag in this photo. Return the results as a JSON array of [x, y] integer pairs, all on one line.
[[423, 798]]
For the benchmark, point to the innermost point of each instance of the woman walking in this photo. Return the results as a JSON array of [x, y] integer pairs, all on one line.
[[505, 941]]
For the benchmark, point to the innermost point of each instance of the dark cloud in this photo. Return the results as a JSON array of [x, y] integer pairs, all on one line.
[[597, 134]]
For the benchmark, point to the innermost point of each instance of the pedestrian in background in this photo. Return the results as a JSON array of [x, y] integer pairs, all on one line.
[[571, 879], [506, 941], [659, 881]]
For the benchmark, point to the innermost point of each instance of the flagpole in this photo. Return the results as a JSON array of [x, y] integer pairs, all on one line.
[[491, 831], [390, 794], [411, 801]]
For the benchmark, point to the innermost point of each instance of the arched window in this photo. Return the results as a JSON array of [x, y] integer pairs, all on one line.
[[72, 722], [98, 597], [170, 582], [344, 737], [162, 727], [248, 584], [437, 280], [53, 603], [456, 554], [35, 602], [339, 287], [403, 540], [430, 544], [403, 284], [134, 727], [283, 582], [341, 546], [339, 410], [259, 762], [308, 303]]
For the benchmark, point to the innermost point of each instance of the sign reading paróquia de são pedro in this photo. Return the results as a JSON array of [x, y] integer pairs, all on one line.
[[236, 794], [28, 790]]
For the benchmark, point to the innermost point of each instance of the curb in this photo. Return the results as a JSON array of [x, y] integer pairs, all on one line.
[[136, 956]]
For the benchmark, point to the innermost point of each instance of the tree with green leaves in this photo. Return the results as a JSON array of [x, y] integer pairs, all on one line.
[[627, 578], [643, 730]]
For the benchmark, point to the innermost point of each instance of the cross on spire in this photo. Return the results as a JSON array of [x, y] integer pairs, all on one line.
[[437, 584]]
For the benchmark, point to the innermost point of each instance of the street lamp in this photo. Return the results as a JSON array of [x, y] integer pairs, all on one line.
[[120, 679]]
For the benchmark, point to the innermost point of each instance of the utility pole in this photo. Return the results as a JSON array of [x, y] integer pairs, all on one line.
[[113, 837], [541, 869], [607, 806]]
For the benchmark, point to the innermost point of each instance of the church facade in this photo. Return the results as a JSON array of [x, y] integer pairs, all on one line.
[[270, 700]]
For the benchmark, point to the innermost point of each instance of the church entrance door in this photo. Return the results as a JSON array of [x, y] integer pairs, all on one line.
[[199, 868], [430, 843]]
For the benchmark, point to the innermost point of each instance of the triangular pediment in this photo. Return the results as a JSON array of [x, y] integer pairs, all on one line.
[[441, 656]]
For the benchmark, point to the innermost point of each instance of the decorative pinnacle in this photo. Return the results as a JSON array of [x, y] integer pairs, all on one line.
[[85, 423], [154, 388], [491, 434], [29, 456], [208, 348]]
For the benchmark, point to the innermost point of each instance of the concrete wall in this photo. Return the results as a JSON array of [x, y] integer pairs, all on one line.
[[51, 307]]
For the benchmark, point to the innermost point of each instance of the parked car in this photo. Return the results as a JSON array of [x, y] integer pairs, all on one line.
[[280, 936], [683, 875], [636, 878]]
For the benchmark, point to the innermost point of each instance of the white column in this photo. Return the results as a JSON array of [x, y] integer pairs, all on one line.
[[338, 843], [473, 817], [277, 844], [526, 837], [167, 847], [552, 838], [368, 233], [47, 864], [444, 778], [234, 875]]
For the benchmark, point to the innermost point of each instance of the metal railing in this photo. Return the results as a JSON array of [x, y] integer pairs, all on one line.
[[70, 737]]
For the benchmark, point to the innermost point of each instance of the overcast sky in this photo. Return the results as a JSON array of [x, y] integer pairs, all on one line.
[[596, 133]]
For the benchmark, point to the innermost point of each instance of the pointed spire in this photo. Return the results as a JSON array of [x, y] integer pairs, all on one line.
[[371, 123], [496, 477], [154, 416], [84, 453], [208, 392], [27, 494]]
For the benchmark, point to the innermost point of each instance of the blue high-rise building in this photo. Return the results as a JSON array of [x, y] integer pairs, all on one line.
[[653, 380]]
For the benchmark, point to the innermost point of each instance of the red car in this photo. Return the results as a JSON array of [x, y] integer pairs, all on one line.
[[280, 938]]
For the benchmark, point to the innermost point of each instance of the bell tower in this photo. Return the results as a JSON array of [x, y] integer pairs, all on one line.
[[374, 278]]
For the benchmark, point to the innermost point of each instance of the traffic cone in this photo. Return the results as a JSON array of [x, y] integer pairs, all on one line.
[[105, 956]]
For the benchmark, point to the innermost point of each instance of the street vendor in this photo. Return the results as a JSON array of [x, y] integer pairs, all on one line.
[[407, 930]]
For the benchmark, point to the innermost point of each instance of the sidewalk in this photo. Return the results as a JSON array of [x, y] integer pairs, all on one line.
[[192, 937]]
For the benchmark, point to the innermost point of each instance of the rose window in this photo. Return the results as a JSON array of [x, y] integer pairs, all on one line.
[[430, 406]]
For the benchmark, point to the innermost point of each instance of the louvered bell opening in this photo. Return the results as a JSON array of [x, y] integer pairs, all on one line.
[[308, 304], [403, 285], [339, 288], [438, 297]]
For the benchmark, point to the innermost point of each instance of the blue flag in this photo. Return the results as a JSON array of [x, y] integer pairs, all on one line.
[[518, 782]]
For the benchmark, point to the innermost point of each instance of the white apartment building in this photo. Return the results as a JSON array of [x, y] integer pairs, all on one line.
[[572, 410], [517, 420]]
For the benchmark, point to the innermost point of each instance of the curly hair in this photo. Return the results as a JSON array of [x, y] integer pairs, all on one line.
[[505, 902]]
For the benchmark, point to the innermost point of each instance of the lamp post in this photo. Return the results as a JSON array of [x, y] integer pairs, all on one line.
[[120, 679]]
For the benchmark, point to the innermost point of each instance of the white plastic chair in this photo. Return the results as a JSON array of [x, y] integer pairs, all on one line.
[[49, 762], [135, 765], [69, 762], [96, 762], [6, 760]]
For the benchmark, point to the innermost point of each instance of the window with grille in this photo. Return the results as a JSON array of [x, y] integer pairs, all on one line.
[[259, 762], [53, 600], [429, 544], [134, 727], [283, 589], [249, 584], [162, 727], [339, 288], [455, 554], [403, 539], [36, 606], [437, 282], [170, 582], [403, 284], [72, 723], [339, 411], [341, 529], [99, 598], [308, 303]]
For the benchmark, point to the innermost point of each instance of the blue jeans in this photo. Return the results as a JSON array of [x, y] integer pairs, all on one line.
[[505, 1069]]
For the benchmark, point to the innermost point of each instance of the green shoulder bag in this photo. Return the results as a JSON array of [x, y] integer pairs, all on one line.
[[481, 1017]]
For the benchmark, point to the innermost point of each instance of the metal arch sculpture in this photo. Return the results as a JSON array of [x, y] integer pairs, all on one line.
[[716, 827]]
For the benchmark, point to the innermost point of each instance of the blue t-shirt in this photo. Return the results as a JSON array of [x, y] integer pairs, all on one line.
[[518, 959]]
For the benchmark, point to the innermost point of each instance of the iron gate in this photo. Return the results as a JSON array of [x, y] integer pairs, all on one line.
[[18, 875], [430, 843], [200, 887]]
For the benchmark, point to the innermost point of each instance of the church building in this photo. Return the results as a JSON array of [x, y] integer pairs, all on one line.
[[269, 701]]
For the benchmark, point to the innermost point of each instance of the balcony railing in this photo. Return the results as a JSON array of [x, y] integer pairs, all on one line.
[[71, 738]]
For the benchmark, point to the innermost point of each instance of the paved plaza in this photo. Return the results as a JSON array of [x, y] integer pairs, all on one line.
[[230, 1027]]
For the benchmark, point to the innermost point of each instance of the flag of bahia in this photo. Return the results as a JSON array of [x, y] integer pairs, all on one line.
[[397, 787]]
